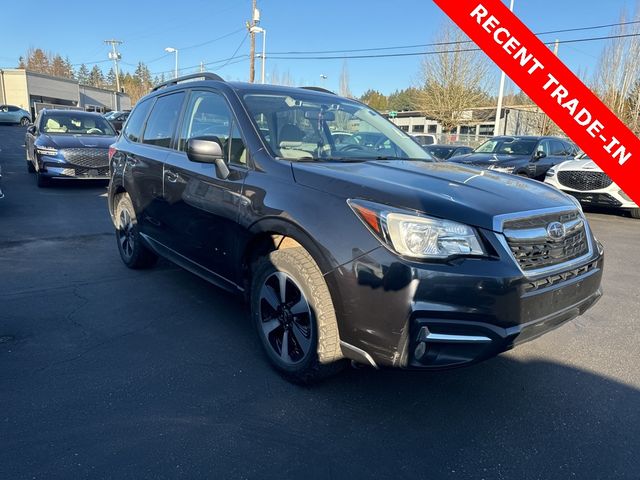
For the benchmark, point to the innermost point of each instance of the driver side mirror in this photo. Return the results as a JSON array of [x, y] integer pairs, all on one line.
[[31, 129], [538, 155], [208, 150]]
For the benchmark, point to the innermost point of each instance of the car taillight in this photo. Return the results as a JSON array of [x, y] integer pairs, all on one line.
[[112, 152]]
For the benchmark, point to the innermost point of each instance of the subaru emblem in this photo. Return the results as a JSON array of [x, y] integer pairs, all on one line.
[[556, 231]]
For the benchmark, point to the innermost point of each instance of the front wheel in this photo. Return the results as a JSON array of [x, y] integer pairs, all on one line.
[[635, 213], [30, 167], [133, 252], [24, 121], [294, 316], [42, 181]]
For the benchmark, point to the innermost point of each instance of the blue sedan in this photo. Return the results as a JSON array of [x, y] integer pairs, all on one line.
[[13, 114]]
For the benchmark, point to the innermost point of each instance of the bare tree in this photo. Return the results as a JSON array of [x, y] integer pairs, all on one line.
[[619, 71], [453, 79], [345, 91]]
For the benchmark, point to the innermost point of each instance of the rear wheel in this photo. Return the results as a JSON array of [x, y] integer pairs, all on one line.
[[635, 213], [133, 252], [294, 316]]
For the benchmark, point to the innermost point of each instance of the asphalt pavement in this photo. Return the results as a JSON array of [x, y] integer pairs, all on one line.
[[111, 373]]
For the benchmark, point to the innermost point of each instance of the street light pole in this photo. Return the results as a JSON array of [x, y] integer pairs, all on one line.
[[496, 130], [173, 50]]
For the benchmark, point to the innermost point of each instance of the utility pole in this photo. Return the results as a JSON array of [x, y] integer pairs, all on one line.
[[201, 67], [556, 46], [115, 56], [255, 20]]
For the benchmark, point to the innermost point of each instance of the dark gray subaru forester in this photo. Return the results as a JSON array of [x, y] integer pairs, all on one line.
[[347, 239]]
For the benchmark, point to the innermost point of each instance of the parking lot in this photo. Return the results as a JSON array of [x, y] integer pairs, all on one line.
[[107, 372]]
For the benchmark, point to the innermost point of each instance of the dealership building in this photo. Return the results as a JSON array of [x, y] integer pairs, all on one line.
[[35, 91]]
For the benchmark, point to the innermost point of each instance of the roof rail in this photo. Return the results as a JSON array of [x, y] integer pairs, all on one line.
[[319, 89], [193, 76]]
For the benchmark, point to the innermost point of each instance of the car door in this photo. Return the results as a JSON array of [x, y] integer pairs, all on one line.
[[202, 207], [5, 116], [539, 164], [148, 138]]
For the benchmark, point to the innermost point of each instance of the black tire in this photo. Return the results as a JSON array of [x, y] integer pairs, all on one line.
[[635, 213], [134, 253], [313, 344], [42, 181], [30, 167], [24, 121]]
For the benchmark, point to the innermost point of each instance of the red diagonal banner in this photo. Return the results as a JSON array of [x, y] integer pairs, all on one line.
[[549, 83]]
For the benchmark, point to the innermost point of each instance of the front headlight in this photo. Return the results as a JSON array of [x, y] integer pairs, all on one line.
[[496, 168], [414, 235], [49, 151], [551, 172]]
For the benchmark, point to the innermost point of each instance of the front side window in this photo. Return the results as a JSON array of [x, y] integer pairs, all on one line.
[[508, 146], [209, 116], [304, 126], [163, 120], [133, 128]]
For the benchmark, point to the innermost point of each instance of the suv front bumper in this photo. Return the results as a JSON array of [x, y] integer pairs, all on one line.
[[442, 315]]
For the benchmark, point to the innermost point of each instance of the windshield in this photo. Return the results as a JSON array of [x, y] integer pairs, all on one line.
[[303, 126], [441, 152], [508, 146], [76, 123]]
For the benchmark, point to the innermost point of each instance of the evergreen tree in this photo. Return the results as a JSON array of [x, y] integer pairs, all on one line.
[[69, 68], [58, 68], [96, 77], [83, 74], [111, 78], [374, 99]]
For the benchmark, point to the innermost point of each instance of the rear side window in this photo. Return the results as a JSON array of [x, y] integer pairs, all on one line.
[[133, 128], [163, 120]]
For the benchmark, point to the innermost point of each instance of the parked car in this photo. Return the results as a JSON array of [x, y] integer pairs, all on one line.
[[445, 152], [68, 144], [525, 156], [424, 138], [366, 253], [586, 181], [1, 192], [117, 119], [13, 114]]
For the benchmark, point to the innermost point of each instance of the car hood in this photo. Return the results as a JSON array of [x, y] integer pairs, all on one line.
[[486, 159], [75, 141], [586, 165], [445, 190]]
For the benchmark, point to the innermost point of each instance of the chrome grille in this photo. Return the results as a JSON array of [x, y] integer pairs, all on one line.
[[533, 248], [87, 157], [584, 181]]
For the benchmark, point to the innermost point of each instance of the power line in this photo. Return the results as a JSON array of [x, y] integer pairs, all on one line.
[[436, 52], [456, 42]]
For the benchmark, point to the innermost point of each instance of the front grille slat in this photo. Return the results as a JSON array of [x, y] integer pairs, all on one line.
[[536, 253], [584, 181], [87, 157]]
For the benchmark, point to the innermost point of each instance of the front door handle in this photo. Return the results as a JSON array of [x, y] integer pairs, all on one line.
[[171, 177]]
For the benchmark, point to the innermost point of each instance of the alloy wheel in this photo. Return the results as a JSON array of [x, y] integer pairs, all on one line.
[[126, 234], [286, 318]]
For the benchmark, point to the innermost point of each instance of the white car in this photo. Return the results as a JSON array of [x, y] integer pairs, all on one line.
[[424, 138], [586, 181]]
